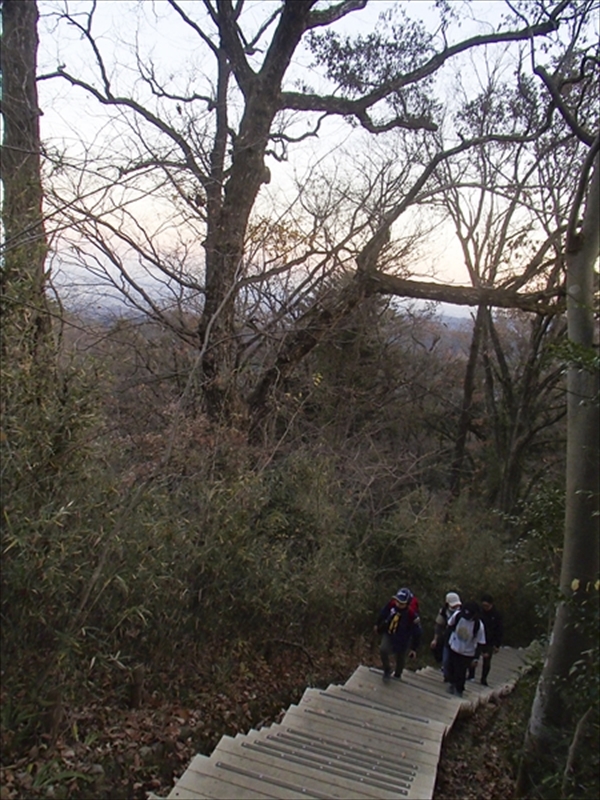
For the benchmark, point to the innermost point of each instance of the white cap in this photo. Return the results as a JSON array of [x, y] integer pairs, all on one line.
[[452, 599]]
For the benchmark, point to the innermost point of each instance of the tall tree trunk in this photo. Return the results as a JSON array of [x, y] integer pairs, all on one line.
[[227, 230], [464, 421], [27, 358], [579, 570], [22, 307]]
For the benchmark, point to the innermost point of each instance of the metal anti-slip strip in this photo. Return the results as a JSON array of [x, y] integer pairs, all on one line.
[[433, 693], [248, 773], [361, 725], [376, 707], [356, 693], [353, 748], [366, 725], [361, 776], [345, 754]]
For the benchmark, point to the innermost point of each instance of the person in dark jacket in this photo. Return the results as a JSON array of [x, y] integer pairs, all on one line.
[[492, 621], [400, 628]]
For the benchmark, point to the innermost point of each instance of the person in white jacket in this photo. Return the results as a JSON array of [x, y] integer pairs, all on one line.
[[439, 643], [467, 636]]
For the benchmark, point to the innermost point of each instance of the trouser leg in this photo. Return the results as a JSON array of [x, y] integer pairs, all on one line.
[[385, 650], [485, 667], [445, 662], [400, 661], [460, 665], [451, 666]]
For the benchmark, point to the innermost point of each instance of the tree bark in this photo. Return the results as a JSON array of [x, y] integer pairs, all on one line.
[[464, 421], [227, 229], [579, 569], [22, 275], [544, 302]]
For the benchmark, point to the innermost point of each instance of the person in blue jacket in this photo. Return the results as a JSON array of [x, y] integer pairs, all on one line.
[[400, 628]]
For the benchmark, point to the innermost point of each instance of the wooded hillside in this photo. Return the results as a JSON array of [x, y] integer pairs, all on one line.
[[235, 419]]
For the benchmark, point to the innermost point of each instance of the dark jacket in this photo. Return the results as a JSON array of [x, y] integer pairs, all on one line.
[[402, 625], [492, 621]]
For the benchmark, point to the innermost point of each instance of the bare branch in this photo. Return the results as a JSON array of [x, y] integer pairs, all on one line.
[[263, 28], [244, 74], [347, 107], [194, 26], [286, 37], [545, 302], [333, 13], [110, 100], [572, 236], [408, 123], [367, 259], [147, 74], [549, 83]]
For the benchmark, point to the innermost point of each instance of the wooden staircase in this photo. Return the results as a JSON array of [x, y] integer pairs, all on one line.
[[368, 738]]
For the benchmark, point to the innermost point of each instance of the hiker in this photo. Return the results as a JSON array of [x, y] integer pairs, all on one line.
[[467, 636], [492, 621], [439, 643], [400, 626]]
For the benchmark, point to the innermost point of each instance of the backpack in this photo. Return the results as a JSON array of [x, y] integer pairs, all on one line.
[[413, 608], [453, 627], [413, 614]]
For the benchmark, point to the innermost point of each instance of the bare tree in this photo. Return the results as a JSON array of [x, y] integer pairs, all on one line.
[[210, 149], [497, 203]]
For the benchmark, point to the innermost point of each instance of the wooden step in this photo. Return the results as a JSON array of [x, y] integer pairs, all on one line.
[[369, 738]]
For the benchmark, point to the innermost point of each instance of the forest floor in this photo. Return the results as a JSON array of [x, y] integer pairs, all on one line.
[[106, 751]]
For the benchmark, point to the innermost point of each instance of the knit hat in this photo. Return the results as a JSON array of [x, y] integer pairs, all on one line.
[[403, 595], [452, 599], [470, 610]]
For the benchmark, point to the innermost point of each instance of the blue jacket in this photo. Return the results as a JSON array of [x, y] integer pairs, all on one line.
[[403, 625]]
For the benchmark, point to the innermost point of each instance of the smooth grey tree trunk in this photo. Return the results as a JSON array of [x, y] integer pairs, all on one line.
[[579, 570]]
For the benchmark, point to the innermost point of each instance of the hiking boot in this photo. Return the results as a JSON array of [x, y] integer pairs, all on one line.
[[387, 674], [451, 689], [484, 682], [398, 675], [458, 694]]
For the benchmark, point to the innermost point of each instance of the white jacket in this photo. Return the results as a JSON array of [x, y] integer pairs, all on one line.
[[462, 639]]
